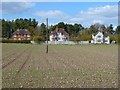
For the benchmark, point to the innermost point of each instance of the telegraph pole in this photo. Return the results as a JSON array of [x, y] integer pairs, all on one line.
[[47, 35]]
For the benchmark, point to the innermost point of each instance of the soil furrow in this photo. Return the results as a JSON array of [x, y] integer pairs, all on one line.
[[23, 65], [4, 66]]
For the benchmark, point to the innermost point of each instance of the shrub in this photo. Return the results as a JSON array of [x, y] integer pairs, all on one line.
[[114, 38], [38, 39], [119, 38], [75, 39], [16, 41], [85, 37]]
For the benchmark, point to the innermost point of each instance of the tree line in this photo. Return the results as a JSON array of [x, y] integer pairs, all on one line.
[[76, 32]]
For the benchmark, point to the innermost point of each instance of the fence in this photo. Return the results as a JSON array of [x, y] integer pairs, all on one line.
[[68, 42], [62, 42]]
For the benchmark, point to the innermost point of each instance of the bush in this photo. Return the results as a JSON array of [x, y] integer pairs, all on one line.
[[16, 41], [75, 39], [114, 38], [38, 39], [118, 38], [85, 37]]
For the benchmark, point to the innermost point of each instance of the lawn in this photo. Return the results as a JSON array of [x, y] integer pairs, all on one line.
[[65, 66]]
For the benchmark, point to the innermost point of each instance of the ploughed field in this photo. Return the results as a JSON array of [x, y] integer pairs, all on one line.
[[65, 66]]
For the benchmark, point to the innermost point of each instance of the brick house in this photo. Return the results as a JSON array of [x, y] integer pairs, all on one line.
[[21, 34]]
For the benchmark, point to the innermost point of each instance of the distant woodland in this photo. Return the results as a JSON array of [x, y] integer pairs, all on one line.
[[76, 32]]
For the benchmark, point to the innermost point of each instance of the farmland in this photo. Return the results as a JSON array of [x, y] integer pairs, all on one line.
[[65, 66]]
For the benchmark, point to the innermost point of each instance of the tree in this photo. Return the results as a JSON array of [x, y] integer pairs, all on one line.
[[5, 28], [70, 30], [78, 27], [38, 39], [110, 29], [61, 25], [118, 33], [34, 23], [8, 27], [85, 37], [53, 27], [9, 31], [43, 29], [92, 29], [118, 30]]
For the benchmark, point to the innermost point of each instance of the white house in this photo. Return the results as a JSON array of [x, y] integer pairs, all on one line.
[[59, 34], [100, 37]]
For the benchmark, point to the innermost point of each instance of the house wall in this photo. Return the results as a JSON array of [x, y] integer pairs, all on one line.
[[107, 40], [99, 38], [59, 37], [21, 37], [52, 37]]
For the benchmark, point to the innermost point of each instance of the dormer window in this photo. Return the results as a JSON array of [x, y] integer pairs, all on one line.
[[58, 33]]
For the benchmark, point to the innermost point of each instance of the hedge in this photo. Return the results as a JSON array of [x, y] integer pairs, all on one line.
[[16, 41], [115, 38], [38, 39]]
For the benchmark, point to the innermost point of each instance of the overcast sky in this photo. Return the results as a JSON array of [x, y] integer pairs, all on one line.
[[85, 13]]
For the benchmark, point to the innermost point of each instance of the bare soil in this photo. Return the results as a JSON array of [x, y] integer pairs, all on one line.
[[65, 66]]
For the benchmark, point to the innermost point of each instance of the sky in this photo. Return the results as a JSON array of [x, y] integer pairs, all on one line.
[[85, 13]]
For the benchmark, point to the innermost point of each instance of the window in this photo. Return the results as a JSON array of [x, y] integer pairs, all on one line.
[[99, 36], [99, 40], [58, 33], [58, 38], [106, 41]]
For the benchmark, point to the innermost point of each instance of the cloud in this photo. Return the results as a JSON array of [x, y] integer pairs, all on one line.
[[98, 21], [104, 14], [104, 11], [50, 14], [76, 20], [107, 14], [15, 7]]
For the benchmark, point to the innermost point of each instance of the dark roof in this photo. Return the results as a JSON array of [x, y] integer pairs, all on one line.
[[104, 33], [59, 30], [21, 31], [95, 33]]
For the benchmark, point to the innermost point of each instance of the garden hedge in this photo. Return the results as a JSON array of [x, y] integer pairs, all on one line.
[[16, 41]]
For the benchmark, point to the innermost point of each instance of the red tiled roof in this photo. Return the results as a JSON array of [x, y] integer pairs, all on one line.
[[59, 30]]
